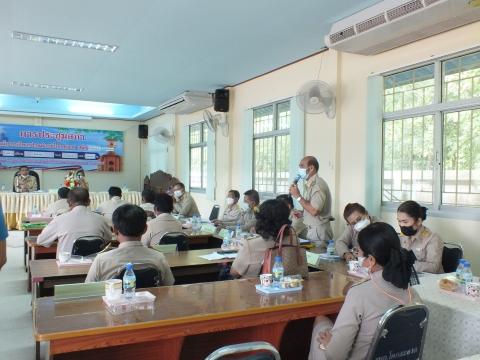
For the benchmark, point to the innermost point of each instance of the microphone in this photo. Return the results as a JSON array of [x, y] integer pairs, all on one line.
[[297, 179]]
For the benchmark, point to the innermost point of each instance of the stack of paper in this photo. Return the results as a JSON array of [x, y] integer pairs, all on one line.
[[217, 256]]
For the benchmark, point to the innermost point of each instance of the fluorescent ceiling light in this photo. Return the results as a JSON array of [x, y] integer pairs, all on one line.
[[45, 86], [18, 35], [90, 107]]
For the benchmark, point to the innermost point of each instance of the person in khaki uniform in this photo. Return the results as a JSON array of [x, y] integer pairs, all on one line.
[[390, 268], [316, 202], [232, 212], [272, 215], [296, 217], [248, 220], [129, 224], [60, 206], [108, 207], [164, 221], [425, 244], [78, 222], [23, 182], [357, 218], [184, 204]]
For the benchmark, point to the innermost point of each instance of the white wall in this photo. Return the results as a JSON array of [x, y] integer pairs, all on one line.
[[99, 181]]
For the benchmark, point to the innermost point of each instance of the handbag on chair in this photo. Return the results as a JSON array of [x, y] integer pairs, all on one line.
[[294, 257]]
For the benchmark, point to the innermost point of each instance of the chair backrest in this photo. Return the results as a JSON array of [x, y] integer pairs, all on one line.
[[214, 213], [88, 245], [267, 351], [31, 173], [451, 255], [400, 333], [178, 238], [146, 276]]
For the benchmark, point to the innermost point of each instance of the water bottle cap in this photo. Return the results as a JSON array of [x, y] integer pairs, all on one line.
[[466, 263], [278, 258], [129, 266]]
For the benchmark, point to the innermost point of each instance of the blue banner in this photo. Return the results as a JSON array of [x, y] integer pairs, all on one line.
[[41, 147]]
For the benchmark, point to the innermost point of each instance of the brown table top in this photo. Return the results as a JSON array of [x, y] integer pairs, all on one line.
[[48, 268], [184, 304]]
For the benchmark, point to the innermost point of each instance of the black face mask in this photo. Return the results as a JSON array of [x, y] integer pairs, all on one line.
[[408, 230]]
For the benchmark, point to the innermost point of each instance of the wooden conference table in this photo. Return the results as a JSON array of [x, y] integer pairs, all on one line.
[[16, 206], [187, 321], [45, 274]]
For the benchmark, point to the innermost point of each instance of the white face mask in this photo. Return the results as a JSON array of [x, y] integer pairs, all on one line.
[[360, 260], [230, 201], [362, 224], [178, 193], [302, 173]]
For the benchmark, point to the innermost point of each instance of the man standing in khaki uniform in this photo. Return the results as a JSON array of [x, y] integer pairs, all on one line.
[[129, 224], [316, 202], [184, 204]]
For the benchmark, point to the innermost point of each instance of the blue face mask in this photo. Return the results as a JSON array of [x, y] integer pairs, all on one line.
[[302, 173]]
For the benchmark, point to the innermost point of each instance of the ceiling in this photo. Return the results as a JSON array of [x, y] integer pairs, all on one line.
[[164, 47]]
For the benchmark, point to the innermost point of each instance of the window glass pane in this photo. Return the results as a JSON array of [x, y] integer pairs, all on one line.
[[263, 176], [408, 159], [196, 167], [205, 132], [283, 110], [283, 162], [461, 77], [263, 120], [195, 134], [204, 167], [461, 158], [409, 89]]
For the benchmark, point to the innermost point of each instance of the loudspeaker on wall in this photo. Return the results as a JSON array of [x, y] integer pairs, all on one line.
[[221, 100], [142, 131]]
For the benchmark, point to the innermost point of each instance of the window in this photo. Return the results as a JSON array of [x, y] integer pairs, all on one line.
[[431, 133], [198, 156], [271, 148]]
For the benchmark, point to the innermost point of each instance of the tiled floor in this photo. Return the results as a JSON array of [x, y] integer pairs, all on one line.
[[16, 332]]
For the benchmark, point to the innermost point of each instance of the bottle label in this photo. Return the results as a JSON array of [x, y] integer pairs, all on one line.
[[129, 283]]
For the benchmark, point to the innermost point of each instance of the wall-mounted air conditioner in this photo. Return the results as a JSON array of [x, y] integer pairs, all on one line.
[[186, 103], [393, 23]]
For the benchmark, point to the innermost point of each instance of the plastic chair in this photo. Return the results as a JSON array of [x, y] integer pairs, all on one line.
[[146, 276], [451, 255], [401, 332], [88, 245], [31, 173], [178, 238], [268, 351]]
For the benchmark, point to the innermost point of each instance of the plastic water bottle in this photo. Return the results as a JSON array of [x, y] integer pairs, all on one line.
[[227, 241], [238, 231], [467, 274], [129, 281], [331, 248], [459, 271], [277, 270]]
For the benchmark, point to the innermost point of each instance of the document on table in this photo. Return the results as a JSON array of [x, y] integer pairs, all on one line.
[[217, 256]]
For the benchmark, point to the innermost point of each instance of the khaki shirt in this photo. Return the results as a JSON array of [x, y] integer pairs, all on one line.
[[297, 222], [427, 247], [147, 206], [248, 219], [186, 206], [57, 208], [231, 215], [68, 227], [355, 326], [25, 184], [108, 207], [248, 262], [349, 239], [157, 227], [107, 265]]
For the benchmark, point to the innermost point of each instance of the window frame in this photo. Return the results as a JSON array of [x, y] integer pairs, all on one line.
[[203, 145], [270, 134], [437, 109]]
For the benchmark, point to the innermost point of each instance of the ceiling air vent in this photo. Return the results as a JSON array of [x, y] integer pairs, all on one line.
[[370, 23], [430, 2], [404, 9], [342, 35]]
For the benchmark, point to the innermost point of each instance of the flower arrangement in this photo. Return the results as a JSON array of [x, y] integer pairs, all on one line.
[[70, 180]]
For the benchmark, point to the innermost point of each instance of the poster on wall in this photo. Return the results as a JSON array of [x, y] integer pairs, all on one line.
[[55, 148]]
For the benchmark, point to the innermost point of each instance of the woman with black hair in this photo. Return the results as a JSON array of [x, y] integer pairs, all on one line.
[[272, 215], [390, 268], [425, 244]]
